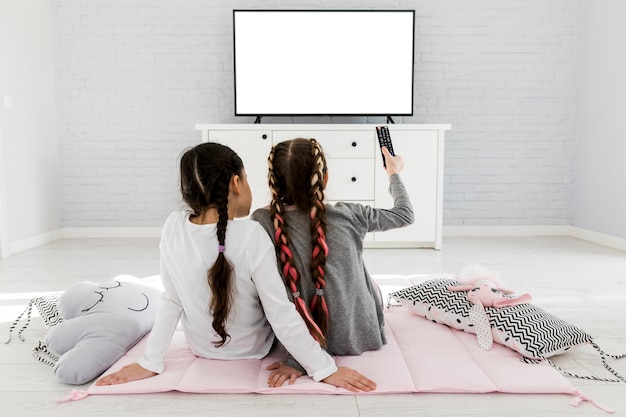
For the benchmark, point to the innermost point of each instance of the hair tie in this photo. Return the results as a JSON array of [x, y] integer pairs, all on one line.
[[319, 291], [221, 248], [296, 294]]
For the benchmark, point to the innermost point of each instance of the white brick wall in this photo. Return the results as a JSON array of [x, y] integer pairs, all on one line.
[[133, 77]]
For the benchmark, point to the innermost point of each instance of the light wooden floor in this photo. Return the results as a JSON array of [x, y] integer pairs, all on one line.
[[576, 280]]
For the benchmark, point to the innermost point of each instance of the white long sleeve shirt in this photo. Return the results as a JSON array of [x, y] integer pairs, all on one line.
[[260, 302]]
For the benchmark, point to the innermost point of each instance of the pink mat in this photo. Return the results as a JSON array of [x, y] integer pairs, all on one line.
[[420, 356]]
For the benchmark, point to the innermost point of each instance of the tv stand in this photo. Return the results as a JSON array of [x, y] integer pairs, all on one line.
[[355, 169], [390, 120], [257, 121]]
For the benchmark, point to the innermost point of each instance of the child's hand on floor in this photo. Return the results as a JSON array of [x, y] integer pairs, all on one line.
[[351, 380], [344, 378], [281, 373], [132, 372]]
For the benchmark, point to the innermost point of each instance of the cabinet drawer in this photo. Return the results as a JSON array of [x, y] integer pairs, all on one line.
[[350, 179], [336, 143]]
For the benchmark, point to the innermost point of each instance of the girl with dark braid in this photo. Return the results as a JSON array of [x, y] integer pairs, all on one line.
[[221, 280], [320, 246]]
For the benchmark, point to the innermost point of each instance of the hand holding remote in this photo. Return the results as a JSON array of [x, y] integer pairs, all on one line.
[[395, 164], [384, 140]]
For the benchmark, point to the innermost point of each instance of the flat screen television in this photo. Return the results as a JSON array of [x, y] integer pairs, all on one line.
[[323, 62]]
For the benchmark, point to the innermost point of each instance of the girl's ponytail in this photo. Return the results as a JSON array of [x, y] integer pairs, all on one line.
[[219, 276], [206, 171]]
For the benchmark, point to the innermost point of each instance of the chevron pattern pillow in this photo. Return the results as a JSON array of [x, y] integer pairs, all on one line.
[[524, 328], [48, 310]]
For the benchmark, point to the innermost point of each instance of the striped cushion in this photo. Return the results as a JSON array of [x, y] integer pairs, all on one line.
[[524, 328], [48, 310]]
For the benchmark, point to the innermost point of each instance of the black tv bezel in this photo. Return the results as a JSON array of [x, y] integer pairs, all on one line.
[[259, 115]]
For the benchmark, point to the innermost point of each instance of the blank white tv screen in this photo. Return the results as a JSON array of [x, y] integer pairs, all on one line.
[[323, 62]]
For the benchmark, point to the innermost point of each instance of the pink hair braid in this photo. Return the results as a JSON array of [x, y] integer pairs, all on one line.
[[288, 269], [317, 214]]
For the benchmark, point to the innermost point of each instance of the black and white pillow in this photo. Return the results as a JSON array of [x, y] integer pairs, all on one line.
[[524, 328], [48, 310]]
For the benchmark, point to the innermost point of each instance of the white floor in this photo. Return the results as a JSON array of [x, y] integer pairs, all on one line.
[[580, 282]]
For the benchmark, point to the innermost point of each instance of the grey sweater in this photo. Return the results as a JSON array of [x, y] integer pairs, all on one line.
[[353, 299]]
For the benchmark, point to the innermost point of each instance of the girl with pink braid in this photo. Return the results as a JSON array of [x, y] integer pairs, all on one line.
[[320, 246], [221, 281]]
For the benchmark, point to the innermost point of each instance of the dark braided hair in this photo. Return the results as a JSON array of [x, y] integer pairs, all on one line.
[[205, 174], [296, 177]]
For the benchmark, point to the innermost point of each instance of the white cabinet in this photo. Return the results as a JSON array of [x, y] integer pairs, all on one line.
[[355, 168]]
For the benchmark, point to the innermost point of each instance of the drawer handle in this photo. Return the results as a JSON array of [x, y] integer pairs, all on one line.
[[354, 144], [264, 136], [353, 179]]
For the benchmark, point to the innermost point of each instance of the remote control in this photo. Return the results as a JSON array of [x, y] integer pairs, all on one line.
[[384, 139]]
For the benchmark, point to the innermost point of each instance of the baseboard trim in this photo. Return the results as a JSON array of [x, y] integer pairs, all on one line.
[[564, 230], [448, 231], [32, 242], [111, 232], [21, 245], [487, 231], [599, 238]]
